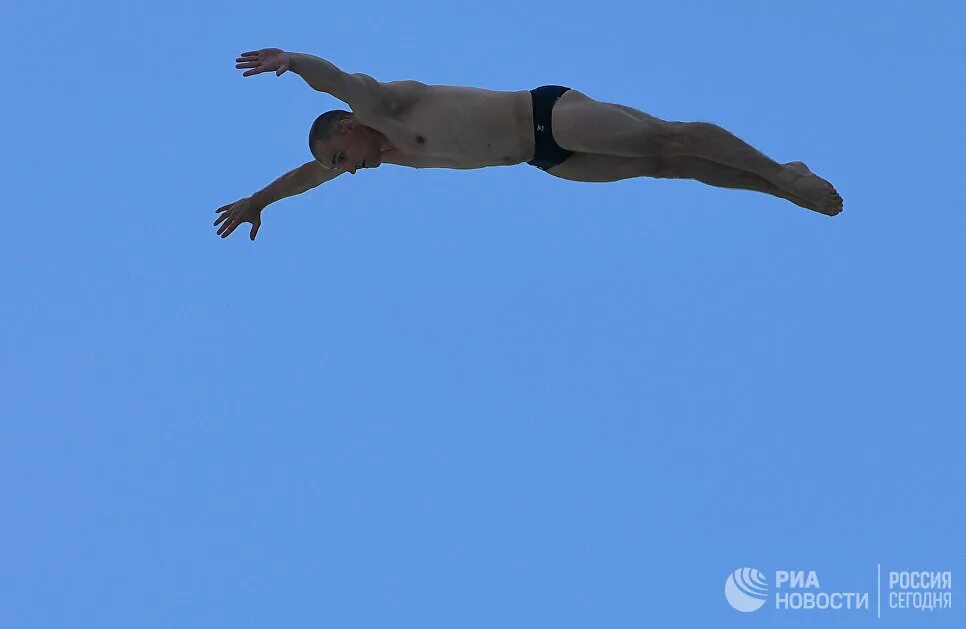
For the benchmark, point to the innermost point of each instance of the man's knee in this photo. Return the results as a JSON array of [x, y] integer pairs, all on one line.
[[662, 167], [677, 167], [681, 138], [675, 138]]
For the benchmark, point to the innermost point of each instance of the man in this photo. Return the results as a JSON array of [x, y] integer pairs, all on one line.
[[557, 129]]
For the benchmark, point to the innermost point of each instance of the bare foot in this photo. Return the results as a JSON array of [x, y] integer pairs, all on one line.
[[820, 195]]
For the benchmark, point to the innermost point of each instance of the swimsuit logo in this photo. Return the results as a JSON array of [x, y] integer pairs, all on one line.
[[746, 589], [539, 127]]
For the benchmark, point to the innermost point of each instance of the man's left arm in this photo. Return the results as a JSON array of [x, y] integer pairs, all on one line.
[[360, 91]]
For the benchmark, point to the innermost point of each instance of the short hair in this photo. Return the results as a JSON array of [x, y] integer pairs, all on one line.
[[326, 126]]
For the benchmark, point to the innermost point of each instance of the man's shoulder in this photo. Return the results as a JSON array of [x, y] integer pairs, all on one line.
[[406, 85], [402, 95]]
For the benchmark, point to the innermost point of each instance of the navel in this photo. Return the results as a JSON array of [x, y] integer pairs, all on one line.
[[420, 139]]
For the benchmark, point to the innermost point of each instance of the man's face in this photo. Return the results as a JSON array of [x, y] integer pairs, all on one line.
[[356, 147]]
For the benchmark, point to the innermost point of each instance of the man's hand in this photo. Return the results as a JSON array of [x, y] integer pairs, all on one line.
[[245, 210], [264, 60]]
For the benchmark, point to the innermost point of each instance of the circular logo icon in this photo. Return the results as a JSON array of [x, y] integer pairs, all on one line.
[[746, 589]]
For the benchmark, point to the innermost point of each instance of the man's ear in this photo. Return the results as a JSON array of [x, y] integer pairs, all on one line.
[[349, 124]]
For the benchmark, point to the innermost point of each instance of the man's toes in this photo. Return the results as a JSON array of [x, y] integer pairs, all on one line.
[[834, 203]]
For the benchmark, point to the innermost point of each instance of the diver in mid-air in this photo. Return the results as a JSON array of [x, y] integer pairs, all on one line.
[[557, 129]]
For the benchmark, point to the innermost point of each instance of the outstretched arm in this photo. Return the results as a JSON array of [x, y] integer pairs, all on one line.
[[296, 181], [362, 92], [249, 209]]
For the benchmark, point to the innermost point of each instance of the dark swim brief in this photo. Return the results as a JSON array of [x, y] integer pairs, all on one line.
[[547, 152]]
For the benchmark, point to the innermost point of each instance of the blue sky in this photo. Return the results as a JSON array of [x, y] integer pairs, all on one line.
[[431, 398]]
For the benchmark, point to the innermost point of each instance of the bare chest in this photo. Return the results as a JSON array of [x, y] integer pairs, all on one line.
[[461, 127]]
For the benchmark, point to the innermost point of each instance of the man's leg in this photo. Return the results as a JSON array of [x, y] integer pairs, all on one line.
[[583, 124], [589, 167], [715, 174]]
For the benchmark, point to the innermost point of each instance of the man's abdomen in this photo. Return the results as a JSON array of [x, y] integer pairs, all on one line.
[[465, 127]]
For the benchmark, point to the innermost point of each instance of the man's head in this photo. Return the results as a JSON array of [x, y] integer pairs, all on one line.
[[339, 141]]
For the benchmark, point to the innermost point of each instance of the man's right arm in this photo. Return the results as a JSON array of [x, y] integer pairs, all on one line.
[[361, 92]]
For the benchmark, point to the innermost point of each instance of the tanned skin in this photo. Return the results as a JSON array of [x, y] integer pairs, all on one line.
[[413, 124]]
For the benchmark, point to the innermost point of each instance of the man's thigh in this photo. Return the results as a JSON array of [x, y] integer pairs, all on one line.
[[591, 167], [583, 124]]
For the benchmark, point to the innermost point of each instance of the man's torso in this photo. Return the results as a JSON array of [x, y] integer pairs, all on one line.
[[441, 126]]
